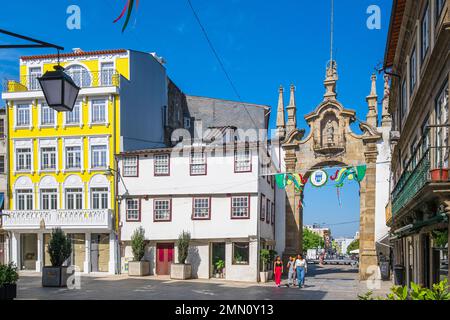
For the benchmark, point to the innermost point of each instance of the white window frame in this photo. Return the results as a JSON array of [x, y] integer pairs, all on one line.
[[52, 158], [43, 192], [33, 83], [247, 161], [197, 161], [70, 191], [101, 191], [95, 142], [73, 142], [23, 144], [247, 198], [135, 210], [156, 210], [91, 107], [16, 116], [158, 157], [110, 74], [41, 116], [85, 76], [100, 152], [28, 198], [78, 104], [198, 208], [130, 163]]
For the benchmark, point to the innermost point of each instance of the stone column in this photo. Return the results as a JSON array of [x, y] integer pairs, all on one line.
[[293, 233], [15, 251], [368, 256], [87, 255], [40, 252], [112, 253]]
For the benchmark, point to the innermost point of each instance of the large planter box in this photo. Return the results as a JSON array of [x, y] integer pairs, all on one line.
[[8, 292], [180, 271], [139, 268], [54, 277]]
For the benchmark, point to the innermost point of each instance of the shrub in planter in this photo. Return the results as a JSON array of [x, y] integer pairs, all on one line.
[[265, 258], [181, 270], [59, 249], [220, 266], [8, 280], [138, 267]]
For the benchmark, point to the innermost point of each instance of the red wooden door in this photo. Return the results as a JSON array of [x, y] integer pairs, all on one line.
[[164, 258]]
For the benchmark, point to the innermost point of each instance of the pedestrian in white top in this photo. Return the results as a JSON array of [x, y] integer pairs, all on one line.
[[302, 268]]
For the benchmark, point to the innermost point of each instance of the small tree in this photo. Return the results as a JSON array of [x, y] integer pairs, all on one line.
[[59, 248], [183, 246], [265, 258], [353, 246], [311, 240], [138, 244]]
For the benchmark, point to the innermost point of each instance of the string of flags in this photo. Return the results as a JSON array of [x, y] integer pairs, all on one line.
[[320, 178]]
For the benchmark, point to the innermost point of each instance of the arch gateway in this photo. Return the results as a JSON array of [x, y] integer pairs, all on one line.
[[331, 142]]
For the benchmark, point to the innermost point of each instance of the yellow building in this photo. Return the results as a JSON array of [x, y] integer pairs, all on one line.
[[62, 165]]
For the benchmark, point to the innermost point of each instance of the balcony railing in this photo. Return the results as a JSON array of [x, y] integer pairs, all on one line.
[[83, 79], [428, 163], [65, 219]]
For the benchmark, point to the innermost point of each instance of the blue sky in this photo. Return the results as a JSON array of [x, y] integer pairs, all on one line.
[[263, 44]]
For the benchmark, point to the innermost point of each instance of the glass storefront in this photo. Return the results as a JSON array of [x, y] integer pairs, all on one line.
[[29, 251]]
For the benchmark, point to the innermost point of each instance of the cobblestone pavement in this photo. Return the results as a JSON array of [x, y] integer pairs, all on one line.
[[322, 283]]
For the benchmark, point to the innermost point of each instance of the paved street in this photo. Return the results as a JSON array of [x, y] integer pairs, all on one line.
[[322, 283]]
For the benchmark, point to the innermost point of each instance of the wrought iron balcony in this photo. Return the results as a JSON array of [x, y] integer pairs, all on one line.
[[83, 79], [64, 219], [429, 163]]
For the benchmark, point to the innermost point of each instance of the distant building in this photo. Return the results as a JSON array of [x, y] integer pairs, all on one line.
[[343, 243]]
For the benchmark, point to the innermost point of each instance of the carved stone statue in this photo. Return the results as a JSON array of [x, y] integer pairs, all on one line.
[[330, 132]]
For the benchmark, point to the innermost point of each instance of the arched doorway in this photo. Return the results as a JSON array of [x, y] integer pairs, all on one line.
[[331, 142]]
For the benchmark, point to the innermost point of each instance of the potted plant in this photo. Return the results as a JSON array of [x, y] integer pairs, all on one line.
[[59, 249], [220, 266], [439, 174], [182, 270], [8, 280], [272, 256], [138, 267], [265, 258]]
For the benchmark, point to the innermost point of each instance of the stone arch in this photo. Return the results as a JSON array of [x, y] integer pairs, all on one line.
[[303, 156]]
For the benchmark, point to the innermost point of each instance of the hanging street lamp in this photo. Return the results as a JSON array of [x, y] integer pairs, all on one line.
[[60, 91]]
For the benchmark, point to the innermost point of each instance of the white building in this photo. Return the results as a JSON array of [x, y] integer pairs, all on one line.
[[222, 199]]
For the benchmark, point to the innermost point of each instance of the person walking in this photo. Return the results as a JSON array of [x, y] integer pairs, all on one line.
[[278, 270], [302, 268], [291, 273]]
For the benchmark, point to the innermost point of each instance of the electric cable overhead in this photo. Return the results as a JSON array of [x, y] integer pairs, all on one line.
[[219, 60]]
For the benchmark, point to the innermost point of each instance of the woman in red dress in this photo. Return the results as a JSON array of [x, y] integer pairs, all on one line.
[[278, 270]]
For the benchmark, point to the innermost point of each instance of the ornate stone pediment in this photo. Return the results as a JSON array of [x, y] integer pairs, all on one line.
[[295, 137]]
